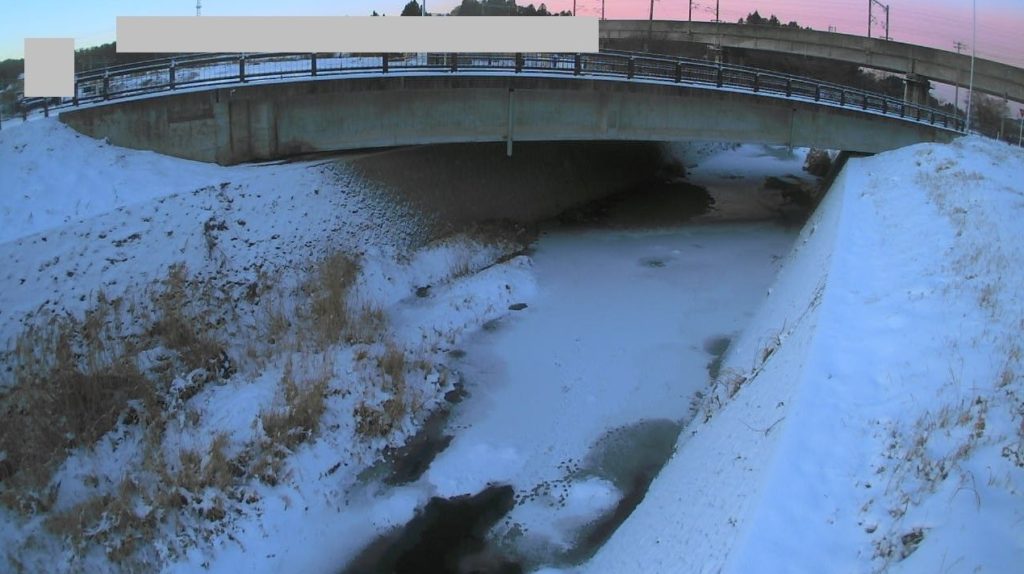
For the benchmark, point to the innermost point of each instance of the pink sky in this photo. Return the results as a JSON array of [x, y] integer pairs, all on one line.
[[934, 23]]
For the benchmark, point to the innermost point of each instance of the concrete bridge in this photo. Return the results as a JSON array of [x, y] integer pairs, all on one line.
[[488, 98], [920, 64]]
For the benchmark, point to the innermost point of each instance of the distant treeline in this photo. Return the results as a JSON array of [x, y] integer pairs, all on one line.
[[106, 55], [488, 8], [10, 69], [756, 19], [85, 59]]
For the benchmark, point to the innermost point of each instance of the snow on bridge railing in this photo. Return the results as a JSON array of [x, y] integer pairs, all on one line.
[[156, 76]]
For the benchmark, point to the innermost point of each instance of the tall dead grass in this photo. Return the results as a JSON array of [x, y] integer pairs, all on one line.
[[75, 380], [67, 394], [327, 290], [380, 420], [304, 405], [183, 310]]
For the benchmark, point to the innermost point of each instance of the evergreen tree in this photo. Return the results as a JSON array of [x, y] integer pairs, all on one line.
[[468, 8], [412, 9]]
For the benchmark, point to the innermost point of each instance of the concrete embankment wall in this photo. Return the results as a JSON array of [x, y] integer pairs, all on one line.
[[231, 125]]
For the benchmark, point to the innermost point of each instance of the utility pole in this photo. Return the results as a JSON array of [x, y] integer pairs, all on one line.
[[602, 9], [974, 45], [574, 7], [690, 17], [871, 18], [956, 98], [1002, 120], [650, 29], [1020, 132], [199, 7]]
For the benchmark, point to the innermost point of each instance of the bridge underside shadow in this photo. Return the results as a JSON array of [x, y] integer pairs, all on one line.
[[230, 125]]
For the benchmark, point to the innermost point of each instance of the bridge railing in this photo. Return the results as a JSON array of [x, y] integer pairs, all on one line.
[[156, 76]]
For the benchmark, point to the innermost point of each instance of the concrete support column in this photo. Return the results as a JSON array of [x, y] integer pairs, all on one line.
[[915, 89]]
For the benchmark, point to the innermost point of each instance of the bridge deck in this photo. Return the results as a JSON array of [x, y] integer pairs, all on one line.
[[991, 77], [645, 100]]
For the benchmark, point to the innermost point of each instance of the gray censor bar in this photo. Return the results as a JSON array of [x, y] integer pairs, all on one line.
[[356, 34], [49, 67]]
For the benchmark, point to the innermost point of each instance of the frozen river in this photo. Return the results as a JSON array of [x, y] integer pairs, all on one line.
[[621, 330]]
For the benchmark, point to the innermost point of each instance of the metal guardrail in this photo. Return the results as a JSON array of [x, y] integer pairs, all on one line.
[[189, 71]]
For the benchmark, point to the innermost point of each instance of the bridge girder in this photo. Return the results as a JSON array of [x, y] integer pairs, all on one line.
[[274, 120], [993, 78]]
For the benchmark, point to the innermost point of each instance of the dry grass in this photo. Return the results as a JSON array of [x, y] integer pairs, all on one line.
[[392, 365], [61, 401], [120, 523], [304, 405], [181, 331], [462, 266], [76, 379], [371, 421], [328, 290], [276, 322], [124, 522], [367, 325], [380, 421], [196, 472]]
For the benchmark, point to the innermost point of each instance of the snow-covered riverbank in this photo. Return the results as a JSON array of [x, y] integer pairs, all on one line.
[[870, 417], [867, 415]]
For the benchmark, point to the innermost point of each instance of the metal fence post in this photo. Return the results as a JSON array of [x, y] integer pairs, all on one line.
[[885, 106], [312, 63], [519, 62], [455, 62], [46, 107], [241, 68], [718, 79], [864, 101], [842, 98], [106, 85], [631, 70], [171, 75], [577, 65], [757, 82], [384, 63], [789, 87], [817, 92], [75, 100], [679, 72]]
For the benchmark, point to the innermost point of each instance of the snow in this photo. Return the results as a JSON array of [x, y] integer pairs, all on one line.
[[115, 221], [36, 197], [867, 416], [896, 326], [556, 375]]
